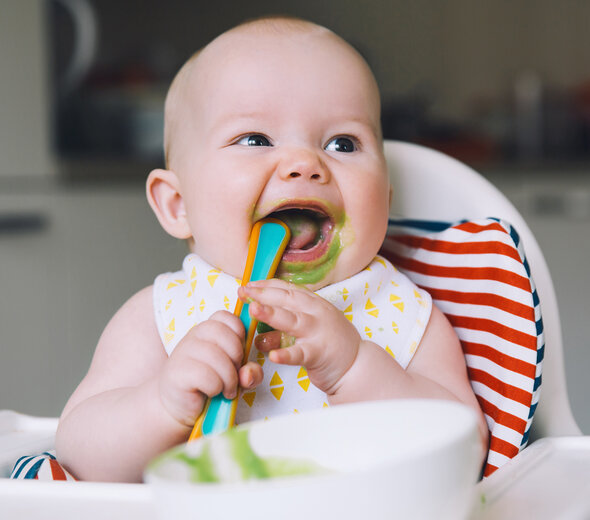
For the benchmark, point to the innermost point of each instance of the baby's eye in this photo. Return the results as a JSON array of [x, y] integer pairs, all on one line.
[[254, 140], [341, 144]]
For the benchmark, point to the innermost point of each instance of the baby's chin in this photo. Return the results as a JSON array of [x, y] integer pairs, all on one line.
[[323, 275], [310, 286]]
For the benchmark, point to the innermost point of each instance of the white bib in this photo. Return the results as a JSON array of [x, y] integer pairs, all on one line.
[[382, 303]]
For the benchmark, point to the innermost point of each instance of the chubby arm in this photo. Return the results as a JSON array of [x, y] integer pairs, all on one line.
[[136, 402], [437, 370], [346, 367], [114, 420]]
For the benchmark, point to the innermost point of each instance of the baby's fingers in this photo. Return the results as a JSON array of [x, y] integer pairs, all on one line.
[[278, 293], [295, 323], [232, 321], [293, 355], [250, 375], [216, 360], [268, 341], [273, 340]]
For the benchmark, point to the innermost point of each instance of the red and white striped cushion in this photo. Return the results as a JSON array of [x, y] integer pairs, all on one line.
[[478, 275], [40, 467]]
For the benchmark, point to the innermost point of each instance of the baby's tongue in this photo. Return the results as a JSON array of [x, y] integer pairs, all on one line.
[[304, 226]]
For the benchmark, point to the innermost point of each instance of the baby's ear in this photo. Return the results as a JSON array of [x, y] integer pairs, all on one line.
[[164, 197]]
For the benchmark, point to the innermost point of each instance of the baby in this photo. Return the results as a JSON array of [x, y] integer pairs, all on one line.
[[275, 117]]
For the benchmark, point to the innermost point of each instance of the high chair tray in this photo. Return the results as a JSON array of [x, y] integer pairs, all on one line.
[[75, 500], [549, 479]]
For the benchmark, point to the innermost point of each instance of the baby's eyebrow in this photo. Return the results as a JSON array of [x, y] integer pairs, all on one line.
[[354, 125], [239, 118], [257, 120]]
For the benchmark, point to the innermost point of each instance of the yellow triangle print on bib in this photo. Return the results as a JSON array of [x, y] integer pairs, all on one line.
[[277, 387], [171, 326], [381, 261], [419, 298], [276, 380], [396, 302], [277, 392], [249, 398], [371, 308], [348, 313], [302, 379], [193, 285], [212, 276]]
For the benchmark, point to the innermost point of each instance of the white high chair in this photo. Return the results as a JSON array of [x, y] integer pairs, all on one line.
[[430, 185], [427, 185], [549, 478]]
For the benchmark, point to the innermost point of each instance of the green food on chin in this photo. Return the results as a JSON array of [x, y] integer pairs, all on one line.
[[309, 273]]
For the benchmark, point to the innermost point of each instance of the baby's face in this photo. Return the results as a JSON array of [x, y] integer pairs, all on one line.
[[284, 126]]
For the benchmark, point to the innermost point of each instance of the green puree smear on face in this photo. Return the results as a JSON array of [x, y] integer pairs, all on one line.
[[233, 459], [308, 273]]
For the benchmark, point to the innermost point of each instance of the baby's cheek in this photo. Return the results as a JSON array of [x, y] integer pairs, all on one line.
[[347, 234]]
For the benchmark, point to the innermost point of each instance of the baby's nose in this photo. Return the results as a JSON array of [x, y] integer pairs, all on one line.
[[303, 164]]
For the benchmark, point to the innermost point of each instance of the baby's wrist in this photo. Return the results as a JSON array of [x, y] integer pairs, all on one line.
[[355, 377], [171, 417], [342, 380]]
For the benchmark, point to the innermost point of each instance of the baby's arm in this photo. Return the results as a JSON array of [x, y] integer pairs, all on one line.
[[135, 401], [348, 368]]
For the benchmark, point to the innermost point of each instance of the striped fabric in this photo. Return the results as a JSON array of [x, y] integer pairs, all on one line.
[[39, 467], [478, 275]]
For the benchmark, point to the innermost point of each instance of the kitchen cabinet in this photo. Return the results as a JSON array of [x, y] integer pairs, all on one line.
[[78, 255]]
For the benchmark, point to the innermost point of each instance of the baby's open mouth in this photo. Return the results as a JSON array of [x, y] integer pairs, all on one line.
[[311, 232]]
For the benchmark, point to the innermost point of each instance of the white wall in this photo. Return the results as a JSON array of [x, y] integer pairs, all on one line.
[[24, 98]]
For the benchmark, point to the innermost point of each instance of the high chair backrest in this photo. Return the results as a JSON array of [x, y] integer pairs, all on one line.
[[430, 185]]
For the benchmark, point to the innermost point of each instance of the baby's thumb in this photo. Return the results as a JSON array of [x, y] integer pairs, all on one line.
[[250, 375]]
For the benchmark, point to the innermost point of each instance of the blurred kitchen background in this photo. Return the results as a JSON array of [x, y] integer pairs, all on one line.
[[502, 86]]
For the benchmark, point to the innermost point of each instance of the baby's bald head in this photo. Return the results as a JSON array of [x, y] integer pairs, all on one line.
[[182, 105]]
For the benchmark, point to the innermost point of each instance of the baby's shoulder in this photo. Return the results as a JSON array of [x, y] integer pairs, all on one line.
[[136, 315], [136, 305], [129, 349]]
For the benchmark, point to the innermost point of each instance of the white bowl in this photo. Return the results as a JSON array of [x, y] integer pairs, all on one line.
[[385, 459]]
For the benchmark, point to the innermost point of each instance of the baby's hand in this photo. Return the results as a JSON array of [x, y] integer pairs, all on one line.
[[323, 340], [203, 364]]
